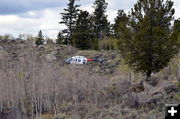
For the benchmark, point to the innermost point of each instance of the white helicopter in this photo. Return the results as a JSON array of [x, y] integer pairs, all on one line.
[[82, 60]]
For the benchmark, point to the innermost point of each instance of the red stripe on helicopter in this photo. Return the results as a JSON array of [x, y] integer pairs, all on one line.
[[89, 59]]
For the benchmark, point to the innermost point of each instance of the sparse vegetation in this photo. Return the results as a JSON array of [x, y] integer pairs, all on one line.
[[35, 82], [44, 89]]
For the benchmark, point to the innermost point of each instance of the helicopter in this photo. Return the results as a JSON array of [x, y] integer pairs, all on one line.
[[82, 60]]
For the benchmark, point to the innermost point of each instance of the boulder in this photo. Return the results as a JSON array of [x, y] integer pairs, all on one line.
[[145, 94]]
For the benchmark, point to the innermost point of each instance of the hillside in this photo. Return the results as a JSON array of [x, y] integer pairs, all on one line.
[[36, 83], [54, 53]]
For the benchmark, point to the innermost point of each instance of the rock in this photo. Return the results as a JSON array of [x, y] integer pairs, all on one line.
[[150, 100], [1, 48], [153, 81], [138, 87], [158, 99], [147, 86], [136, 100], [130, 100], [143, 98], [144, 94], [51, 56], [170, 87], [3, 40]]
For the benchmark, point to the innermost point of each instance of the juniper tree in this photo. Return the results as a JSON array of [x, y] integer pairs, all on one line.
[[146, 41], [83, 34], [39, 39], [101, 24], [69, 17]]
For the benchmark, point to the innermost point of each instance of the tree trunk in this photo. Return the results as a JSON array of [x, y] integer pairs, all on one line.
[[148, 74]]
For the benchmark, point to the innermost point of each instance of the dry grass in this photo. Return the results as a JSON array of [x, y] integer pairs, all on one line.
[[46, 90]]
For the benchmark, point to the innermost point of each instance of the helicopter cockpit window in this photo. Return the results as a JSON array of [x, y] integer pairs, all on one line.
[[69, 60]]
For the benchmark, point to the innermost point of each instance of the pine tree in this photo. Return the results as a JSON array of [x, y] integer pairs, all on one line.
[[83, 35], [69, 17], [176, 31], [146, 42], [101, 24], [39, 39], [119, 20], [59, 39]]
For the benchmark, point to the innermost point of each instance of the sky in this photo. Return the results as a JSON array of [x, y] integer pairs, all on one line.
[[30, 16]]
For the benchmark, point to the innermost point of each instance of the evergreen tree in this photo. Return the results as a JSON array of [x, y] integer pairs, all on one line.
[[69, 17], [39, 39], [146, 42], [83, 35], [176, 31], [60, 39], [119, 20], [101, 24]]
